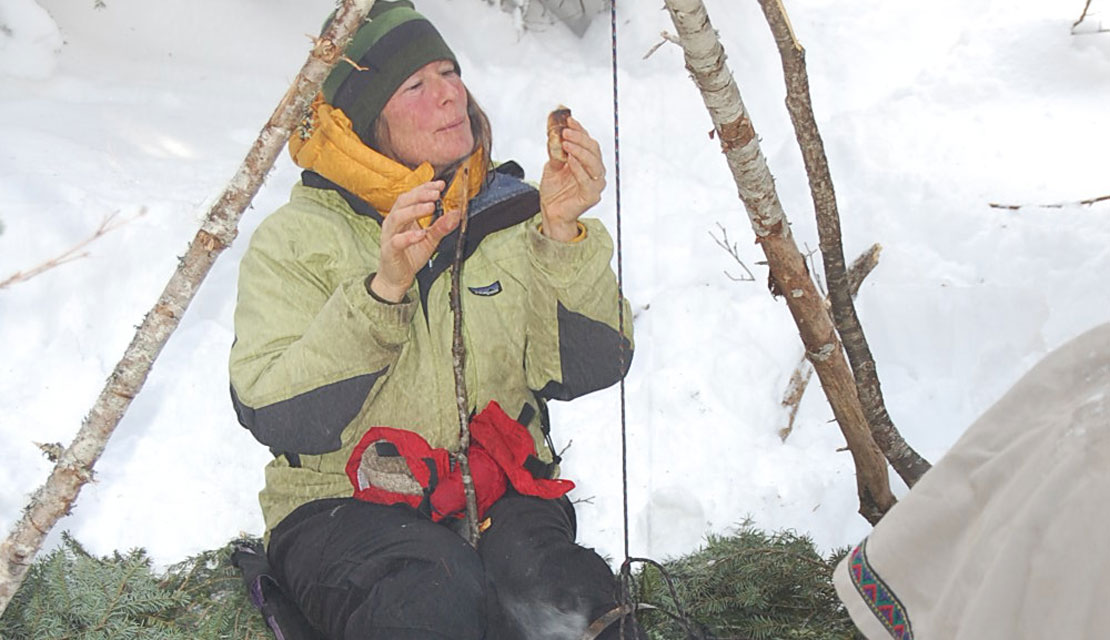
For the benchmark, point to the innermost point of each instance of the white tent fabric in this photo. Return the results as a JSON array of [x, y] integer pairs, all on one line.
[[1006, 537]]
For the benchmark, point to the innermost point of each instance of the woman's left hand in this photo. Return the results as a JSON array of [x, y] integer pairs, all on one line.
[[568, 189]]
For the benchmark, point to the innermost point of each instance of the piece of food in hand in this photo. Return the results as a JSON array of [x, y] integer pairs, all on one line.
[[556, 122]]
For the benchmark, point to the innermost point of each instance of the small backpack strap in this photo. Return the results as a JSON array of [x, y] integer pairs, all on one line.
[[282, 616]]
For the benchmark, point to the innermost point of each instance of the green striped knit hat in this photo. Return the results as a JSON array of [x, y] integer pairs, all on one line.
[[391, 45]]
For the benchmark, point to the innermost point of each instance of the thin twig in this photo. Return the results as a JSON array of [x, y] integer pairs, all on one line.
[[666, 37], [1053, 205], [813, 269], [354, 64], [723, 243], [1083, 16], [107, 225]]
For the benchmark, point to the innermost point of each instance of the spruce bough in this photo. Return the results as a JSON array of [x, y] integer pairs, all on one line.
[[750, 585]]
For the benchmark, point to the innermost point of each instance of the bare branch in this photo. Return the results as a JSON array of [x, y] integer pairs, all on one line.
[[862, 267], [731, 249], [107, 225], [792, 397], [1082, 16], [667, 37], [906, 461], [1055, 205], [75, 467]]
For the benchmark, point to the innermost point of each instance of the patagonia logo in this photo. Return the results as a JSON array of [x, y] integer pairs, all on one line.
[[488, 290]]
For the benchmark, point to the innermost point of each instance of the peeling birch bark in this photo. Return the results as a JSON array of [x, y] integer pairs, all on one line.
[[705, 59], [56, 496], [905, 460]]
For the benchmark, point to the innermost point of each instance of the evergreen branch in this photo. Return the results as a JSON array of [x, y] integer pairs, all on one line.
[[820, 564], [115, 599]]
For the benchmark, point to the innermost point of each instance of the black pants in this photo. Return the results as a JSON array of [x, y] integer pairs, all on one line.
[[361, 571]]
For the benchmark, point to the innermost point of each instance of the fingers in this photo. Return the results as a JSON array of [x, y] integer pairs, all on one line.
[[405, 239], [444, 225], [430, 237], [405, 245], [580, 146], [589, 187], [413, 205]]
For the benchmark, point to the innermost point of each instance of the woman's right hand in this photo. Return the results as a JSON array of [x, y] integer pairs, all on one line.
[[406, 247]]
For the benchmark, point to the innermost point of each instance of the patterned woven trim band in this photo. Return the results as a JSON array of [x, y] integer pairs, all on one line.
[[879, 597]]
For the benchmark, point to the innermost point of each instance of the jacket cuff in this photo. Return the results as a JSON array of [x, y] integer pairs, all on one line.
[[562, 262], [578, 238], [388, 322]]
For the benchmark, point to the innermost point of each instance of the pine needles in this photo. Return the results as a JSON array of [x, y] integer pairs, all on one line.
[[751, 585], [70, 594]]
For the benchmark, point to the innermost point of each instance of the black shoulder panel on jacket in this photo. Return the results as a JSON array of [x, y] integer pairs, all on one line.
[[504, 202], [589, 354], [511, 168], [311, 422]]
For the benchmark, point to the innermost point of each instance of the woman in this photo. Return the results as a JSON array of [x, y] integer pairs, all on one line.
[[343, 326]]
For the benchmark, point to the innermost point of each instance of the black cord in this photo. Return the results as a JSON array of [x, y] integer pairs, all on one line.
[[626, 576]]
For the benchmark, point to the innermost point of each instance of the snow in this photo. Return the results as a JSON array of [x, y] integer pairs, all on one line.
[[929, 112]]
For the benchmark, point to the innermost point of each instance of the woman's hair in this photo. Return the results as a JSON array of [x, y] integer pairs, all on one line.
[[479, 126]]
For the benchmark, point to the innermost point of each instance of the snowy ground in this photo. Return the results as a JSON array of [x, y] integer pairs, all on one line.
[[929, 112]]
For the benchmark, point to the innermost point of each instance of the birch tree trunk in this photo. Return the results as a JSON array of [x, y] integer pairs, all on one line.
[[705, 59], [74, 468], [905, 460]]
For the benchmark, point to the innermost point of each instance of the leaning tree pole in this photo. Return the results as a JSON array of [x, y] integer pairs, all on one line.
[[705, 59], [907, 462], [74, 466]]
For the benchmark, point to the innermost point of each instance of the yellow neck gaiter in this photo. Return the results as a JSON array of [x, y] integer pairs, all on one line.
[[326, 143]]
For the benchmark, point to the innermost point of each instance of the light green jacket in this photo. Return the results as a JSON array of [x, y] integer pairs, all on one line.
[[317, 361]]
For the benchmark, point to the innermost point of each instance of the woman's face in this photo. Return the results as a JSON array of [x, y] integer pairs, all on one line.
[[426, 117]]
